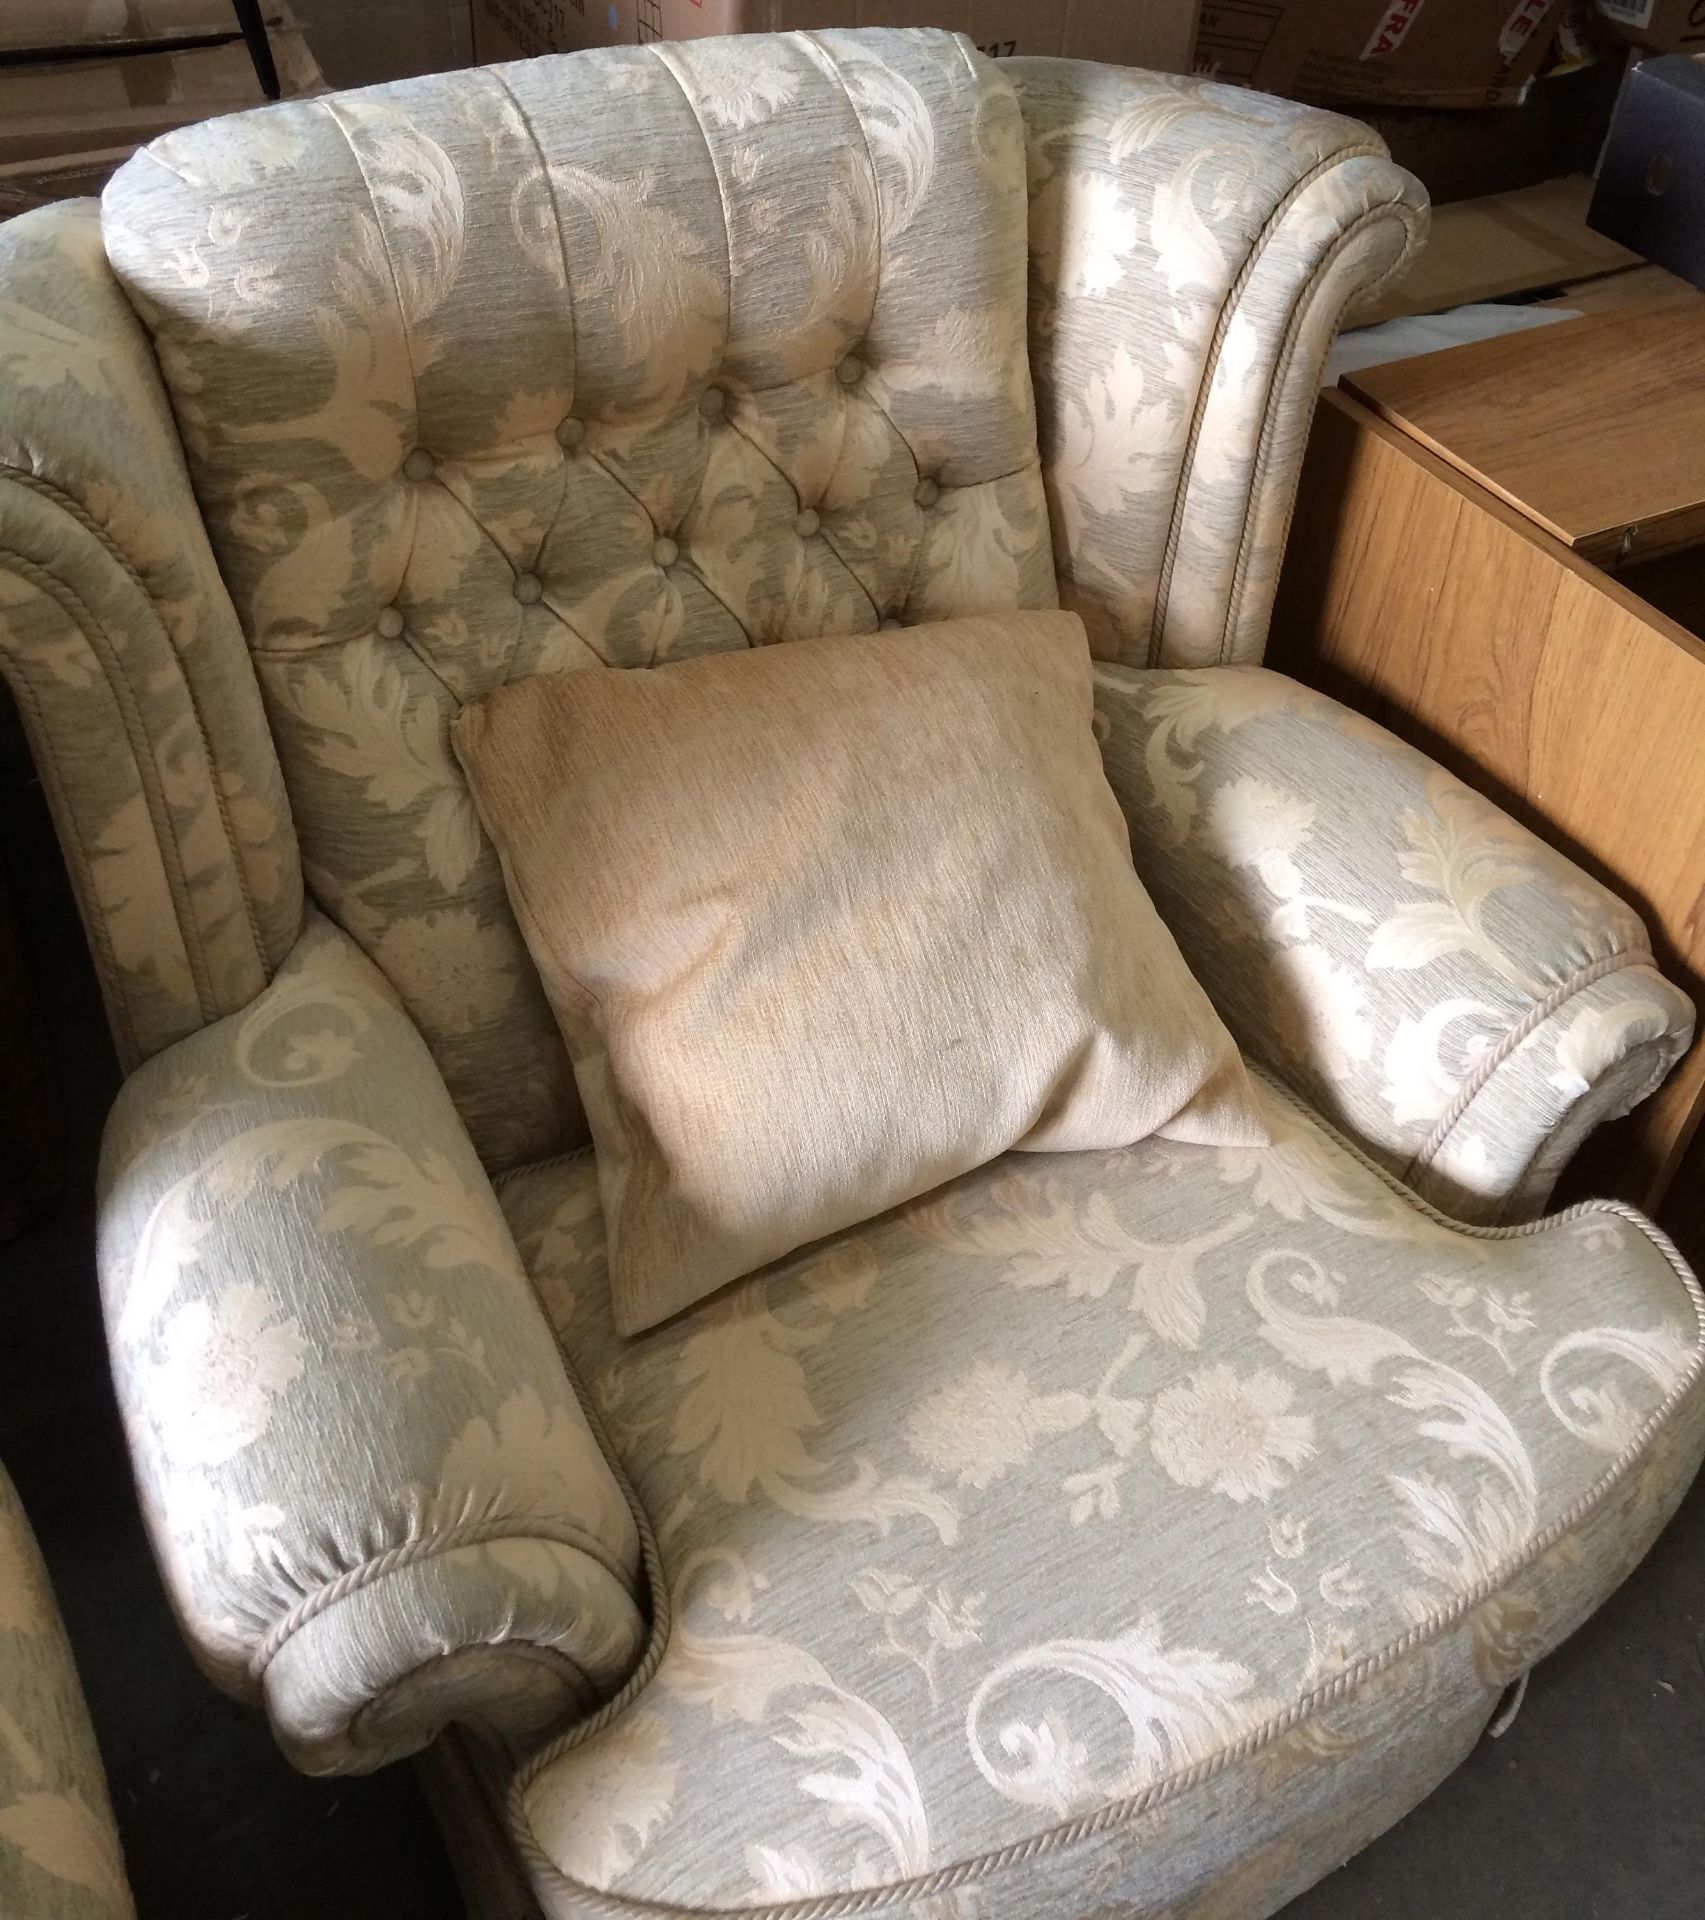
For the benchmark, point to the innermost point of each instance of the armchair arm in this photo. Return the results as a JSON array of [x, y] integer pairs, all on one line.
[[122, 648], [1447, 988], [1193, 247], [376, 1500]]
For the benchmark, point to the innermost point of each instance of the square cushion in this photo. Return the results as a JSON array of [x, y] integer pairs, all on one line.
[[827, 924]]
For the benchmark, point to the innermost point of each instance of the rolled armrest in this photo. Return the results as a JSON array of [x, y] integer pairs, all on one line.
[[376, 1499], [1453, 992], [1192, 249]]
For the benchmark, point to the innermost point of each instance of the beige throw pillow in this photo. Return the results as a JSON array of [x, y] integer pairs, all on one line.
[[830, 922]]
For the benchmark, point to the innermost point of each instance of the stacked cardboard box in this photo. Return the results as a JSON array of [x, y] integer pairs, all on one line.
[[1412, 53], [1138, 33], [1659, 26], [95, 88]]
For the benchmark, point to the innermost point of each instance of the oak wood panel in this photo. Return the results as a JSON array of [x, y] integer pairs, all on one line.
[[1414, 595], [1502, 243], [1641, 286], [1594, 427]]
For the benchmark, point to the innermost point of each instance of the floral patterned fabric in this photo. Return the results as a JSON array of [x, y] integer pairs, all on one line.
[[692, 432], [371, 1487], [59, 1854], [1453, 992], [1134, 1532], [1192, 248], [125, 657], [1122, 1533], [693, 428]]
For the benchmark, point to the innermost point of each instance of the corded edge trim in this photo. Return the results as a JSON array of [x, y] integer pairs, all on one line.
[[1488, 1065]]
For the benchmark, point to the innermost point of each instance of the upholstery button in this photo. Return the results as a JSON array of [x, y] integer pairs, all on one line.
[[712, 402], [665, 552], [389, 622], [850, 371], [807, 523], [571, 435], [926, 493], [891, 623], [420, 465], [529, 589]]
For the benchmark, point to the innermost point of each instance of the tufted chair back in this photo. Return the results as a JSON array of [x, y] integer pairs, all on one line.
[[613, 359]]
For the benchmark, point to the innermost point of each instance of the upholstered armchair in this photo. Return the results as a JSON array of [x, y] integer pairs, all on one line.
[[59, 1852], [1133, 1532]]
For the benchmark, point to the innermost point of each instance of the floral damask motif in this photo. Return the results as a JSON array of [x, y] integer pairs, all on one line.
[[616, 1800], [982, 1426], [395, 1308], [1047, 1398], [792, 1698], [742, 1410], [63, 1837], [1163, 1547], [1443, 984], [1086, 1249], [223, 1363], [671, 375], [918, 1625], [1465, 852], [1177, 1703], [1237, 1436]]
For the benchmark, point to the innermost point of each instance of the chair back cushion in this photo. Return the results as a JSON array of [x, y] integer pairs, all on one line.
[[610, 358]]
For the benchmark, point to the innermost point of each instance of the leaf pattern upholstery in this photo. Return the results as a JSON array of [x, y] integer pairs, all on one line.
[[125, 658], [1450, 990], [371, 1487], [346, 411], [59, 1852], [703, 430], [1192, 247], [1057, 1541]]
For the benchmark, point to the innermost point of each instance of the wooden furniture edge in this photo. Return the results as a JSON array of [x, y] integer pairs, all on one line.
[[1479, 495]]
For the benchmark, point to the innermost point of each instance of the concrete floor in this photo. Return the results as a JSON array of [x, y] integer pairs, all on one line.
[[1589, 1808]]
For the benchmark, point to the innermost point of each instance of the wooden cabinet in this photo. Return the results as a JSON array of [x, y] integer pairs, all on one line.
[[1444, 576]]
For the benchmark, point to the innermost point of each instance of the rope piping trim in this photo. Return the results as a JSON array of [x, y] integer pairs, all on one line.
[[1277, 415], [142, 762], [1415, 222], [471, 1533], [124, 697], [1524, 1029], [121, 1015], [1122, 1812], [1210, 366]]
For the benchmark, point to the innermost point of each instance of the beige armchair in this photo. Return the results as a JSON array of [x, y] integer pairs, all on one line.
[[1136, 1532]]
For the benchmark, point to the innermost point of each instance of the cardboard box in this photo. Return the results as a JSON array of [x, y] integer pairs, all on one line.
[[1664, 26], [1140, 33], [1421, 53], [1503, 244], [29, 24], [1462, 153], [64, 125]]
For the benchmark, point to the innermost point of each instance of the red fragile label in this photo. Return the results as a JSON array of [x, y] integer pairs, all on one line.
[[1394, 22]]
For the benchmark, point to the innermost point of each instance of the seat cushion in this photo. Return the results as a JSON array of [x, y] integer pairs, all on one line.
[[1134, 1532], [59, 1854]]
